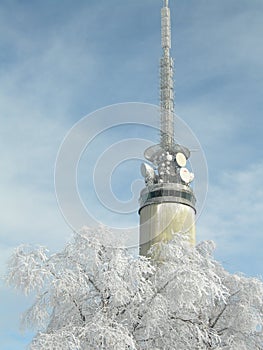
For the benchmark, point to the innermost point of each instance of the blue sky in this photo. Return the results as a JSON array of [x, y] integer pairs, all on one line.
[[61, 60]]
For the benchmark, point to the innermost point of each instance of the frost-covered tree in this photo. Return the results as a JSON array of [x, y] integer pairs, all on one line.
[[93, 295]]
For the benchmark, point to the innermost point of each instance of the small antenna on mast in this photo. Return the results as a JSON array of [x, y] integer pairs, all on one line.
[[166, 3]]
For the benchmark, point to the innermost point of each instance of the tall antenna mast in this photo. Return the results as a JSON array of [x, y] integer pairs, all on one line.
[[166, 82]]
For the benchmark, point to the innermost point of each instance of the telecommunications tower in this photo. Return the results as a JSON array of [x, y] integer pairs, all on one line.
[[167, 203]]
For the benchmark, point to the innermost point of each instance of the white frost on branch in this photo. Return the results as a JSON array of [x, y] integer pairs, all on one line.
[[93, 295]]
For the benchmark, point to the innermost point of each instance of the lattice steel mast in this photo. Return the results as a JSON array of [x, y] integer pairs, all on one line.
[[166, 81]]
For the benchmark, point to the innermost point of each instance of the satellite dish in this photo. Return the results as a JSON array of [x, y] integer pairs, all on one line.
[[180, 159], [152, 152], [147, 171], [185, 175]]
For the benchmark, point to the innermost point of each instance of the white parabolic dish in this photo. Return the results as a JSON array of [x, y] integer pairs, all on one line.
[[185, 175], [180, 159]]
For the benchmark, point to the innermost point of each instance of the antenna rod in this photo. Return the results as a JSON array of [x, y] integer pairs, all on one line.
[[166, 81]]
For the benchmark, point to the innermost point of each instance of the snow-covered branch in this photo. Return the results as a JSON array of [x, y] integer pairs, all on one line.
[[93, 295]]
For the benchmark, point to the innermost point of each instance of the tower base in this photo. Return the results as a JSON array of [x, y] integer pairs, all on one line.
[[159, 221]]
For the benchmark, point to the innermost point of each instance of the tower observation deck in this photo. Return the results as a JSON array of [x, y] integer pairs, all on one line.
[[167, 203]]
